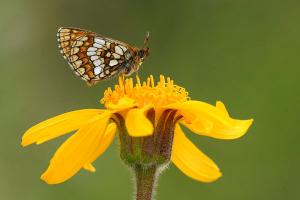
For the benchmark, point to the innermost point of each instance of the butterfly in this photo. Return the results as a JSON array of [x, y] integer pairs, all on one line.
[[94, 57]]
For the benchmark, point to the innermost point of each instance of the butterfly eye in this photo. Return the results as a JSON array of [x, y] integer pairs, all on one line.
[[141, 53]]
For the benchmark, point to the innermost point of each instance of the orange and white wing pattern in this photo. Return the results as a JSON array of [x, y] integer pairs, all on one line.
[[94, 57]]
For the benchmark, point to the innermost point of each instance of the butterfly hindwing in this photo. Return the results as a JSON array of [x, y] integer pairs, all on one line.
[[93, 57]]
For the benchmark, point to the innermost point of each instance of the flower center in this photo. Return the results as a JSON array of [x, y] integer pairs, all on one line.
[[147, 93]]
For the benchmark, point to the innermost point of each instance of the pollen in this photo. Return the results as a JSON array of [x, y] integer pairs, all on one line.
[[146, 93]]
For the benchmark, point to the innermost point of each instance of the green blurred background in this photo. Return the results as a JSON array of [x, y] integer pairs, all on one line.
[[243, 52]]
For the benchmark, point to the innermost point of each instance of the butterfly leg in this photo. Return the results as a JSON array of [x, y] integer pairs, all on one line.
[[137, 73]]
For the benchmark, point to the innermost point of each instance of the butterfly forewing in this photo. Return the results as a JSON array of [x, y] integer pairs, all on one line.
[[94, 57]]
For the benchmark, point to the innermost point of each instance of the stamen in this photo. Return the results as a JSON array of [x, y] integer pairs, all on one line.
[[138, 81], [152, 81], [147, 93], [121, 81]]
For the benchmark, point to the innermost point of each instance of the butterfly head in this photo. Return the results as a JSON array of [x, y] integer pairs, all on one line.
[[143, 53]]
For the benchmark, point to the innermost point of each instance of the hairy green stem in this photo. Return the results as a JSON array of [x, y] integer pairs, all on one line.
[[145, 182]]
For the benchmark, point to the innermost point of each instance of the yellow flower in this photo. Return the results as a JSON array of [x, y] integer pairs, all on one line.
[[148, 118]]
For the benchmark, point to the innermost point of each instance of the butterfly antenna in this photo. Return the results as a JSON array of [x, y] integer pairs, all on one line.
[[146, 39]]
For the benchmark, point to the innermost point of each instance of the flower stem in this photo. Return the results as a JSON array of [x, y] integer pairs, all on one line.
[[145, 182]]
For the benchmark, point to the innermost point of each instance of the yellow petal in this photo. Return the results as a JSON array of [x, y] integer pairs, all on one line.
[[191, 161], [137, 124], [238, 129], [89, 167], [199, 126], [220, 105], [75, 153], [103, 145], [197, 109], [123, 103], [60, 125], [212, 121]]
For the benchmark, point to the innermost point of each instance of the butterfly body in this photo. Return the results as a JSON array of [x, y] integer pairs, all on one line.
[[95, 58]]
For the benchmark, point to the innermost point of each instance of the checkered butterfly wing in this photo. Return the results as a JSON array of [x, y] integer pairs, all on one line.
[[92, 56]]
